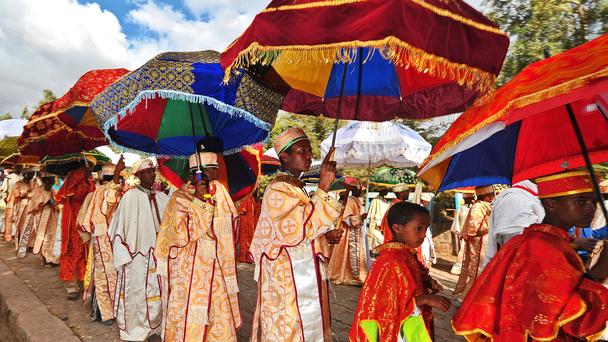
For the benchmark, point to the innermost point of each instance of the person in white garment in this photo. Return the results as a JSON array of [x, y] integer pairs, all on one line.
[[457, 224], [133, 229], [514, 209]]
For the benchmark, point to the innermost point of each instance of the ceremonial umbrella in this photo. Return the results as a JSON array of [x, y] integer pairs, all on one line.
[[66, 125], [373, 144], [388, 176], [19, 159], [177, 100], [371, 60], [270, 165], [238, 171], [61, 165], [550, 117], [10, 130]]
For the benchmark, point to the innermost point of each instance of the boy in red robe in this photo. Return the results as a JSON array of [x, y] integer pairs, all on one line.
[[536, 287], [398, 295]]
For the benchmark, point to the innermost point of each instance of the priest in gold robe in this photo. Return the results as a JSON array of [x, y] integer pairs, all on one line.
[[290, 248], [196, 259]]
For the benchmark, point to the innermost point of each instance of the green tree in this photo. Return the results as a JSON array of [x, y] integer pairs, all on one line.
[[541, 27], [47, 96], [25, 113], [5, 116]]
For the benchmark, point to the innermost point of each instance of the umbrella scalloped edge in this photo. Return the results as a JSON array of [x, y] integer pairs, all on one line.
[[177, 95]]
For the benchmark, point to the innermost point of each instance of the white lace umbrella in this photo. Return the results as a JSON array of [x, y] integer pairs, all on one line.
[[372, 144], [129, 158], [11, 128]]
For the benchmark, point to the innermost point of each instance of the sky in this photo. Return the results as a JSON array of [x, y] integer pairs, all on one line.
[[49, 44]]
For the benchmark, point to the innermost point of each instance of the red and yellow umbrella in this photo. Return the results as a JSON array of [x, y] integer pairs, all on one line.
[[67, 125], [550, 117], [371, 60]]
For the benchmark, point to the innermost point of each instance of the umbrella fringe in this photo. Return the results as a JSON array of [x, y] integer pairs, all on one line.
[[391, 48], [181, 96]]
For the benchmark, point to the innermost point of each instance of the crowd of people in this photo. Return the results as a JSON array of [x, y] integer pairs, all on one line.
[[161, 263]]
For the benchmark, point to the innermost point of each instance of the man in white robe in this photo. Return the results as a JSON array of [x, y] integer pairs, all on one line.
[[377, 208], [133, 229], [514, 210]]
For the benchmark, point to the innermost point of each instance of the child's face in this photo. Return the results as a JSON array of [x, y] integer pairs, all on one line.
[[413, 232]]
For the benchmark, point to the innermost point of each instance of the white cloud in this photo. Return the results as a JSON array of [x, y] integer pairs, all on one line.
[[224, 21], [49, 44]]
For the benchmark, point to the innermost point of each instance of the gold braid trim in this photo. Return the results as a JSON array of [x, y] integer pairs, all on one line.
[[57, 112], [391, 48], [522, 102], [437, 10], [327, 3], [448, 14]]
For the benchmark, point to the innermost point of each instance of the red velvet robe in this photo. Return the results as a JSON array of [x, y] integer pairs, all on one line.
[[388, 294], [72, 262], [249, 213], [533, 289]]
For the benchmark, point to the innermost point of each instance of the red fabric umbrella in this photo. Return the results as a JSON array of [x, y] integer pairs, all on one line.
[[372, 60], [67, 125]]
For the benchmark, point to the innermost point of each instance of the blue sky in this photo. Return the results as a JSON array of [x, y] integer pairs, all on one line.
[[49, 44]]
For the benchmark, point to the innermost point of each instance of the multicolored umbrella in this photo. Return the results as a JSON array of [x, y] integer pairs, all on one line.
[[63, 164], [238, 171], [66, 125], [177, 100], [388, 176], [371, 60], [550, 117]]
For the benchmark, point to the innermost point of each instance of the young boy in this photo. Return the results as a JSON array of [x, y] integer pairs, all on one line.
[[398, 295], [536, 288]]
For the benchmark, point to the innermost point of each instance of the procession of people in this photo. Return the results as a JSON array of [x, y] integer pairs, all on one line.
[[155, 248]]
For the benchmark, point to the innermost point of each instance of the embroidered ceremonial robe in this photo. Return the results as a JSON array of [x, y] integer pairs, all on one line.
[[72, 263], [196, 260], [15, 213], [377, 209], [387, 298], [48, 231], [249, 213], [38, 198], [137, 302], [475, 231], [101, 260], [290, 253], [347, 264], [5, 191], [534, 289]]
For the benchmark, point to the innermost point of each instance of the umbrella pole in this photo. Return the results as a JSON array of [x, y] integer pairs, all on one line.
[[199, 173], [581, 141], [339, 109]]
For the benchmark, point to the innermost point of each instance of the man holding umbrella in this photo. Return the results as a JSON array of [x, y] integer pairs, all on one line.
[[290, 248], [197, 235]]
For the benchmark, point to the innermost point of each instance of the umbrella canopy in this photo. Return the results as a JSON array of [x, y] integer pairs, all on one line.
[[372, 60], [388, 176], [63, 164], [363, 144], [270, 165], [238, 171], [313, 175], [66, 125], [177, 99], [528, 128], [19, 159]]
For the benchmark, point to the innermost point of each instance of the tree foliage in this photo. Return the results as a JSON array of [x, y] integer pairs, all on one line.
[[5, 116], [545, 27], [47, 96]]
